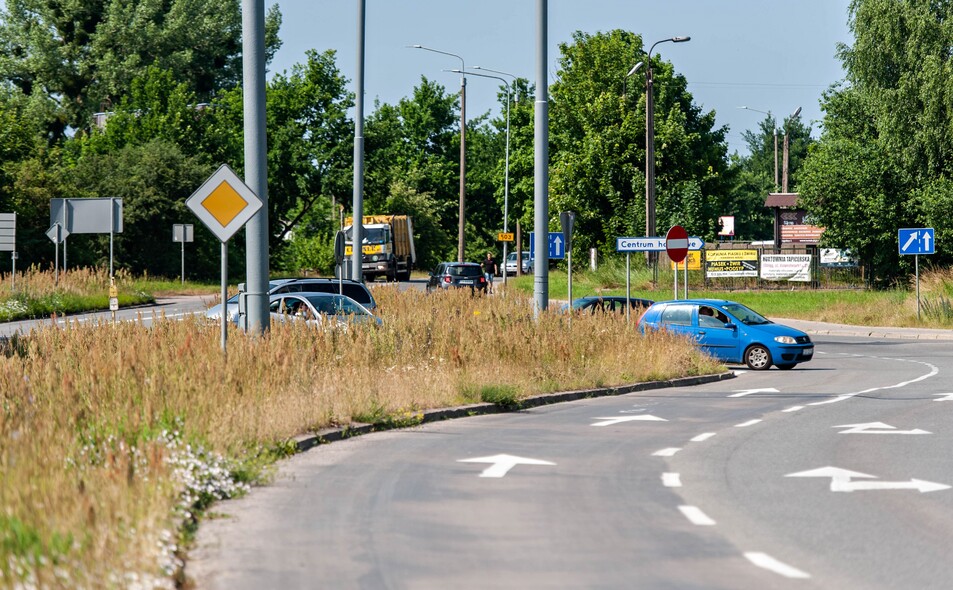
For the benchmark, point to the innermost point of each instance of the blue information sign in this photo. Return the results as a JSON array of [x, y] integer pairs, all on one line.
[[918, 240], [557, 245]]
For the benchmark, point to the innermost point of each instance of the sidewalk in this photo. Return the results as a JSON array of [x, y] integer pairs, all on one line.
[[828, 329]]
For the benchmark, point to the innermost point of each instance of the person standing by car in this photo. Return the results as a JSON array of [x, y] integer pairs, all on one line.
[[489, 271]]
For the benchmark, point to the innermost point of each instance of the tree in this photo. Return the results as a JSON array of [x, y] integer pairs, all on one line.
[[885, 154], [598, 145], [83, 56]]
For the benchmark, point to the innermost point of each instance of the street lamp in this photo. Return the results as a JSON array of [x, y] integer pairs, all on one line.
[[506, 172], [773, 124], [650, 137], [784, 177], [463, 147]]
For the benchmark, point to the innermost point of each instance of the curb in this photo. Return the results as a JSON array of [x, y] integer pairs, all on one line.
[[306, 442]]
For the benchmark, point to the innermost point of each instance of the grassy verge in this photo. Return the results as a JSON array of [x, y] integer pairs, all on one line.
[[896, 307], [113, 439]]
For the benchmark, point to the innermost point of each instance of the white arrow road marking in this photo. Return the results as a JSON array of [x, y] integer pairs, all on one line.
[[703, 437], [744, 392], [671, 480], [669, 452], [946, 397], [841, 481], [696, 516], [877, 428], [765, 561], [501, 464], [618, 419], [914, 484]]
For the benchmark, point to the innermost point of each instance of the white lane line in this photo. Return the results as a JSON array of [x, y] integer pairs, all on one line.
[[666, 452], [748, 423], [696, 516], [703, 437], [671, 480], [765, 561], [793, 409], [933, 371]]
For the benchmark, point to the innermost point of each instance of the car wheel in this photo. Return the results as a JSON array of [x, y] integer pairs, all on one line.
[[758, 358], [787, 366]]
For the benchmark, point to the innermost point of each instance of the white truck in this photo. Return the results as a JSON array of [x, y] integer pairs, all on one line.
[[387, 246]]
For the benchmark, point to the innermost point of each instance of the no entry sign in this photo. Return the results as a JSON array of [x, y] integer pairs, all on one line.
[[676, 243]]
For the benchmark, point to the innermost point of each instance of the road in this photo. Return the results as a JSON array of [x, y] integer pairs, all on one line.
[[833, 475]]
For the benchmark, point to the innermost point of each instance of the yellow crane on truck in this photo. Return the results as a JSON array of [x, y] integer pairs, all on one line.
[[387, 247]]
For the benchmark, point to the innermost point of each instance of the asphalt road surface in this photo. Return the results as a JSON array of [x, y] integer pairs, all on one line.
[[834, 475]]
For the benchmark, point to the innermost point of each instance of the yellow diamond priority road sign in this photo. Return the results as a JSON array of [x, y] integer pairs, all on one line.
[[224, 203]]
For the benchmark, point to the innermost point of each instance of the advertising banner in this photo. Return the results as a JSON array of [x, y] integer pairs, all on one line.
[[786, 267], [731, 263], [837, 257]]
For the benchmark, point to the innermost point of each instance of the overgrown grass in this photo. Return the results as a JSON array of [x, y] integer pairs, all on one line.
[[39, 294], [114, 438]]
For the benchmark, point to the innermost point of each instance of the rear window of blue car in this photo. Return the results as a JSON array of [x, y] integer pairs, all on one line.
[[680, 315]]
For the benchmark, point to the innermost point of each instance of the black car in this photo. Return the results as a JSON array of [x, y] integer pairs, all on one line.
[[355, 290], [608, 304], [449, 275]]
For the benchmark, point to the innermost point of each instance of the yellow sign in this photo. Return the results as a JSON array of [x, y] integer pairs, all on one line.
[[224, 203], [694, 260], [505, 237], [113, 292], [722, 255], [373, 249]]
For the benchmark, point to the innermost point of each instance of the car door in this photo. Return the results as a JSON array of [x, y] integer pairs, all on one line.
[[717, 336], [677, 318]]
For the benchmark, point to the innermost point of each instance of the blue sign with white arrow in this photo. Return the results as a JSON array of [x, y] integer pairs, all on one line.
[[557, 245], [918, 240]]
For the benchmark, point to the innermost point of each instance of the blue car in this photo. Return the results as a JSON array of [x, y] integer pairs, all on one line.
[[731, 332]]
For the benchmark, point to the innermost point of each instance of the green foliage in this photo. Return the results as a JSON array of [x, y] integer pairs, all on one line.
[[504, 396], [885, 156], [84, 56], [598, 140]]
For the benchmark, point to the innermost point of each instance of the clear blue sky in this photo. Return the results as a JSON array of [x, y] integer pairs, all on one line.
[[770, 55]]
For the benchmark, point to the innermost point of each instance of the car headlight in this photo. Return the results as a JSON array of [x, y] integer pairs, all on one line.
[[785, 339]]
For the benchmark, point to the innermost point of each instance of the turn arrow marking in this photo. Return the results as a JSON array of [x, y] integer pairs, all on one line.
[[841, 481], [877, 428], [618, 419], [501, 464]]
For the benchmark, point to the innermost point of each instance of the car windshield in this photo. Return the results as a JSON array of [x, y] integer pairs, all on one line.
[[337, 304], [745, 315]]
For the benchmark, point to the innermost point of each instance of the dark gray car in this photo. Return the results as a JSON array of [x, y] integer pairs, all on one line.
[[454, 275]]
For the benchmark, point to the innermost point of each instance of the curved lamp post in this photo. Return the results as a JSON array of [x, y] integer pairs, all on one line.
[[777, 186], [463, 148], [506, 169], [650, 137]]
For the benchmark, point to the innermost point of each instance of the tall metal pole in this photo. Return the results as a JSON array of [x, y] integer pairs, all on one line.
[[357, 227], [256, 163], [650, 146], [541, 150], [506, 166], [776, 185], [461, 234]]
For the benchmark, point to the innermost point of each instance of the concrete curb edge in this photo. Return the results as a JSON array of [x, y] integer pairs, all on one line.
[[308, 441]]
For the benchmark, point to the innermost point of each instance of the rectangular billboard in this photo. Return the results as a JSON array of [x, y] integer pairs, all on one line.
[[731, 263]]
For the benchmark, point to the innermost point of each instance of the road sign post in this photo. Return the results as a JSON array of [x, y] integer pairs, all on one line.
[[916, 241], [224, 204], [182, 232], [676, 245], [567, 219]]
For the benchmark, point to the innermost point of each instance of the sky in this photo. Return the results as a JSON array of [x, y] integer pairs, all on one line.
[[768, 55]]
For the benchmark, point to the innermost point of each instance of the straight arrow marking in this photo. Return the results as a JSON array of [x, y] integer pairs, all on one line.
[[501, 464], [841, 481], [618, 419]]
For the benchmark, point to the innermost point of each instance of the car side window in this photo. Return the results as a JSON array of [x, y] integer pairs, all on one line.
[[679, 315]]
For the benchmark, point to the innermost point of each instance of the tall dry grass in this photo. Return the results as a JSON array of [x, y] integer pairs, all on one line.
[[112, 436]]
